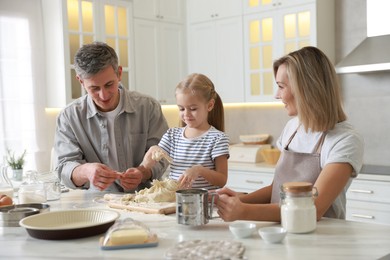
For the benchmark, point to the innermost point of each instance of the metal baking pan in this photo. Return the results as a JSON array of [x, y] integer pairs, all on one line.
[[11, 215]]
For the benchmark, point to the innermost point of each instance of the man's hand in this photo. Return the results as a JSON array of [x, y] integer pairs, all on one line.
[[131, 178], [99, 175]]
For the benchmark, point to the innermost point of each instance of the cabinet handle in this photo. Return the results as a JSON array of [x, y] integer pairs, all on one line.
[[254, 182], [362, 191], [362, 216]]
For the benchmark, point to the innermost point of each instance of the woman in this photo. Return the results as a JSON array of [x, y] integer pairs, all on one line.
[[318, 145]]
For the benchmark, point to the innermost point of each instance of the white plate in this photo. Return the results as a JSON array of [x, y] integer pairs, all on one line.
[[69, 224]]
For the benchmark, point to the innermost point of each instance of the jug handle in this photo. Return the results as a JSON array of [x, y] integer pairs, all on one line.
[[4, 175], [211, 208]]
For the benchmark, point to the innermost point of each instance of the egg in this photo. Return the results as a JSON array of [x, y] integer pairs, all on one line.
[[5, 200]]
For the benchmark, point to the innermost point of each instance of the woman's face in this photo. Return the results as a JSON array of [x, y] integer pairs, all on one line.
[[284, 91], [192, 109]]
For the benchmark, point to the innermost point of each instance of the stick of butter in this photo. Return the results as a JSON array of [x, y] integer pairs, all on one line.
[[128, 236]]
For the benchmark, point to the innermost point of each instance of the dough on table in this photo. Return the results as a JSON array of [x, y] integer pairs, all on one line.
[[161, 191]]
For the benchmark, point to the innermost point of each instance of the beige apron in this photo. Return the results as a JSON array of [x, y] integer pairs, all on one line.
[[294, 166]]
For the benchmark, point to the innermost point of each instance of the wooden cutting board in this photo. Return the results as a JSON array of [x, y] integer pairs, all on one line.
[[149, 208]]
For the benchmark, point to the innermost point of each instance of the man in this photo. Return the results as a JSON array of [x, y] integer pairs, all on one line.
[[102, 137]]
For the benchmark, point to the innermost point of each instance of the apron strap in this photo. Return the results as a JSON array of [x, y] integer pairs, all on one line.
[[318, 147]]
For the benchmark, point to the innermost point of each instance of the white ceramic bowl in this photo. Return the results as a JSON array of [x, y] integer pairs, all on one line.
[[272, 234], [242, 229]]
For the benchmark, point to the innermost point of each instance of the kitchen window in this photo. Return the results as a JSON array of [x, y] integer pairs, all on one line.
[[21, 79]]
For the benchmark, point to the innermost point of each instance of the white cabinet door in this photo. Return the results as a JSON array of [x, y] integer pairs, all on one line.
[[201, 51], [206, 10], [146, 38], [215, 49], [167, 10], [172, 63], [71, 23], [251, 6], [270, 34], [159, 58], [248, 181], [369, 201]]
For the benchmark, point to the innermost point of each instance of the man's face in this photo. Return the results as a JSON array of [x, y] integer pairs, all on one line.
[[103, 88]]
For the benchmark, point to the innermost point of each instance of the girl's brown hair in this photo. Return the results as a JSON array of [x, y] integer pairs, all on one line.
[[201, 85]]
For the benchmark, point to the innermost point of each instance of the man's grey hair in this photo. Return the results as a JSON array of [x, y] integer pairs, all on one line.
[[92, 58]]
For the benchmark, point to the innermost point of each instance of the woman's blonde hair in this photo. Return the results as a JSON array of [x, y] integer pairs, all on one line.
[[201, 85], [315, 87]]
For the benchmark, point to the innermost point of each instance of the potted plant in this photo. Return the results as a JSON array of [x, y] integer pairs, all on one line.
[[16, 163]]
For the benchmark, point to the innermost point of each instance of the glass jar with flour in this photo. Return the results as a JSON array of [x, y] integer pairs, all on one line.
[[32, 190], [298, 212]]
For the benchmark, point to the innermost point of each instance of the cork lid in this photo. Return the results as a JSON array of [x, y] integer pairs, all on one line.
[[295, 187]]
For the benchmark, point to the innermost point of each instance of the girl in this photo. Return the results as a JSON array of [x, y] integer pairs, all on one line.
[[199, 148]]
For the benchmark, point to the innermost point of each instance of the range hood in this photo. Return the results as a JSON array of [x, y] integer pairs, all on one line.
[[373, 54]]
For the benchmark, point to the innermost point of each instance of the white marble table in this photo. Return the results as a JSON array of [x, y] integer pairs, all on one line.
[[333, 239]]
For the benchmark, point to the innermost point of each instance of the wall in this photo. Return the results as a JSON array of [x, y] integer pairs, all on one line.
[[367, 96]]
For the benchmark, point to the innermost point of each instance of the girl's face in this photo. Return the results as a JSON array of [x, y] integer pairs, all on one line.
[[284, 91], [193, 110]]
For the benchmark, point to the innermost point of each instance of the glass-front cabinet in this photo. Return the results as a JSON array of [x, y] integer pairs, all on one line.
[[275, 29], [78, 22]]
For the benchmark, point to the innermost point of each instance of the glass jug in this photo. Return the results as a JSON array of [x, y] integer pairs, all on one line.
[[6, 187], [32, 190]]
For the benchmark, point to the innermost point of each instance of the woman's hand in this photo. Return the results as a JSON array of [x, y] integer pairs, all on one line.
[[228, 204]]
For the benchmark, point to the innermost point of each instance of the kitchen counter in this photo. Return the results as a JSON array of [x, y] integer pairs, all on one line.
[[369, 172], [333, 239]]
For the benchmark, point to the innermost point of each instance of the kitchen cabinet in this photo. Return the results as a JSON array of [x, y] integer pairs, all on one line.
[[166, 10], [255, 6], [68, 25], [368, 200], [249, 177], [206, 10], [215, 46], [274, 29], [159, 58], [160, 48]]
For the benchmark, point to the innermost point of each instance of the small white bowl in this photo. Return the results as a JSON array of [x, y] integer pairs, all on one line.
[[272, 234], [242, 229]]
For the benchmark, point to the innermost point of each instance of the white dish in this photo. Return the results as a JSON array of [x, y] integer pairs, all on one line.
[[272, 234], [69, 224], [242, 229]]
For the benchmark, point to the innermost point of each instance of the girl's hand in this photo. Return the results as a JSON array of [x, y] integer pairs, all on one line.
[[189, 176], [154, 155], [150, 159]]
